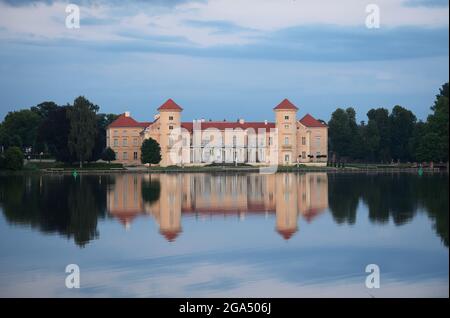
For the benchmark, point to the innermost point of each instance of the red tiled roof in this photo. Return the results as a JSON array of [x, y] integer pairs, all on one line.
[[124, 121], [170, 105], [222, 125], [286, 104], [310, 121]]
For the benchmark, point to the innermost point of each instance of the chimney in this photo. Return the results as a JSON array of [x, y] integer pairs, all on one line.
[[127, 114], [241, 121]]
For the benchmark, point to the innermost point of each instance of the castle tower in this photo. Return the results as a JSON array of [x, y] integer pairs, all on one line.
[[170, 119], [286, 124]]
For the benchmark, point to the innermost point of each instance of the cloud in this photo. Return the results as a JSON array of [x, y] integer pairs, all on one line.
[[205, 23]]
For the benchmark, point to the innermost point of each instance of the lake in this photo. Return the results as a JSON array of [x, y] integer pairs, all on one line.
[[224, 235]]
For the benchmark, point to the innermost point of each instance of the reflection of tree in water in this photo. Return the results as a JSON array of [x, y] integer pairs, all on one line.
[[342, 198], [151, 190], [391, 196], [63, 205]]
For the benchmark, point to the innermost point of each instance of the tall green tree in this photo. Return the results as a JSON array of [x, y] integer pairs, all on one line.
[[432, 143], [340, 133], [380, 118], [103, 120], [438, 122], [43, 109], [150, 151], [19, 129], [54, 133], [402, 123], [83, 128]]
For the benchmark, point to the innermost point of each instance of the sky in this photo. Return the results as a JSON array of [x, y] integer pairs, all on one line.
[[225, 59]]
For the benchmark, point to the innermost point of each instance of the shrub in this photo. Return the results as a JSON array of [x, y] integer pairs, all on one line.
[[108, 155], [13, 158]]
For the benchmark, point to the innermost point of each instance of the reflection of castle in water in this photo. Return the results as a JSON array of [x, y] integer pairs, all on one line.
[[167, 196]]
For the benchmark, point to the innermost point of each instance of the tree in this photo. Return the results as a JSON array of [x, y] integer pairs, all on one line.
[[431, 144], [380, 118], [20, 128], [150, 151], [83, 128], [44, 109], [438, 123], [103, 120], [402, 123], [340, 132], [13, 158], [108, 155], [54, 133]]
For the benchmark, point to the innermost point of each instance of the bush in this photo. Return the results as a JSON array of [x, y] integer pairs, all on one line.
[[108, 155], [13, 158]]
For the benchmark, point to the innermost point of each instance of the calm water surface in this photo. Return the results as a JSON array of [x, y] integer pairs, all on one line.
[[235, 235]]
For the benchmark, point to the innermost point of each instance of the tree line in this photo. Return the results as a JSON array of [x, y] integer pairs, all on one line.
[[69, 133], [395, 136]]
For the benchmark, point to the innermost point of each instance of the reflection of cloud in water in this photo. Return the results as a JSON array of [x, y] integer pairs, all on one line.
[[246, 272], [210, 280]]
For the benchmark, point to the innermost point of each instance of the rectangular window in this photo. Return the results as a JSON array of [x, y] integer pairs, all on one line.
[[303, 141], [286, 117], [116, 132], [116, 142], [135, 155], [286, 158], [125, 156], [170, 117], [286, 140], [170, 127], [135, 142], [124, 142], [286, 126], [318, 141], [304, 155]]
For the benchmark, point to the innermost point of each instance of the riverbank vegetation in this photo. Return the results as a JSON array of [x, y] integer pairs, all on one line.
[[66, 133], [391, 137]]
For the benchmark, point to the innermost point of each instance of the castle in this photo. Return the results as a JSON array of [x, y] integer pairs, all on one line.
[[287, 141]]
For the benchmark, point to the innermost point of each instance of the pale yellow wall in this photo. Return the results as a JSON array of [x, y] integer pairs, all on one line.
[[309, 146], [168, 119], [132, 137], [287, 128]]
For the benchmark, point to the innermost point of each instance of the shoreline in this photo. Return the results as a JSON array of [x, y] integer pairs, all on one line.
[[225, 170]]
